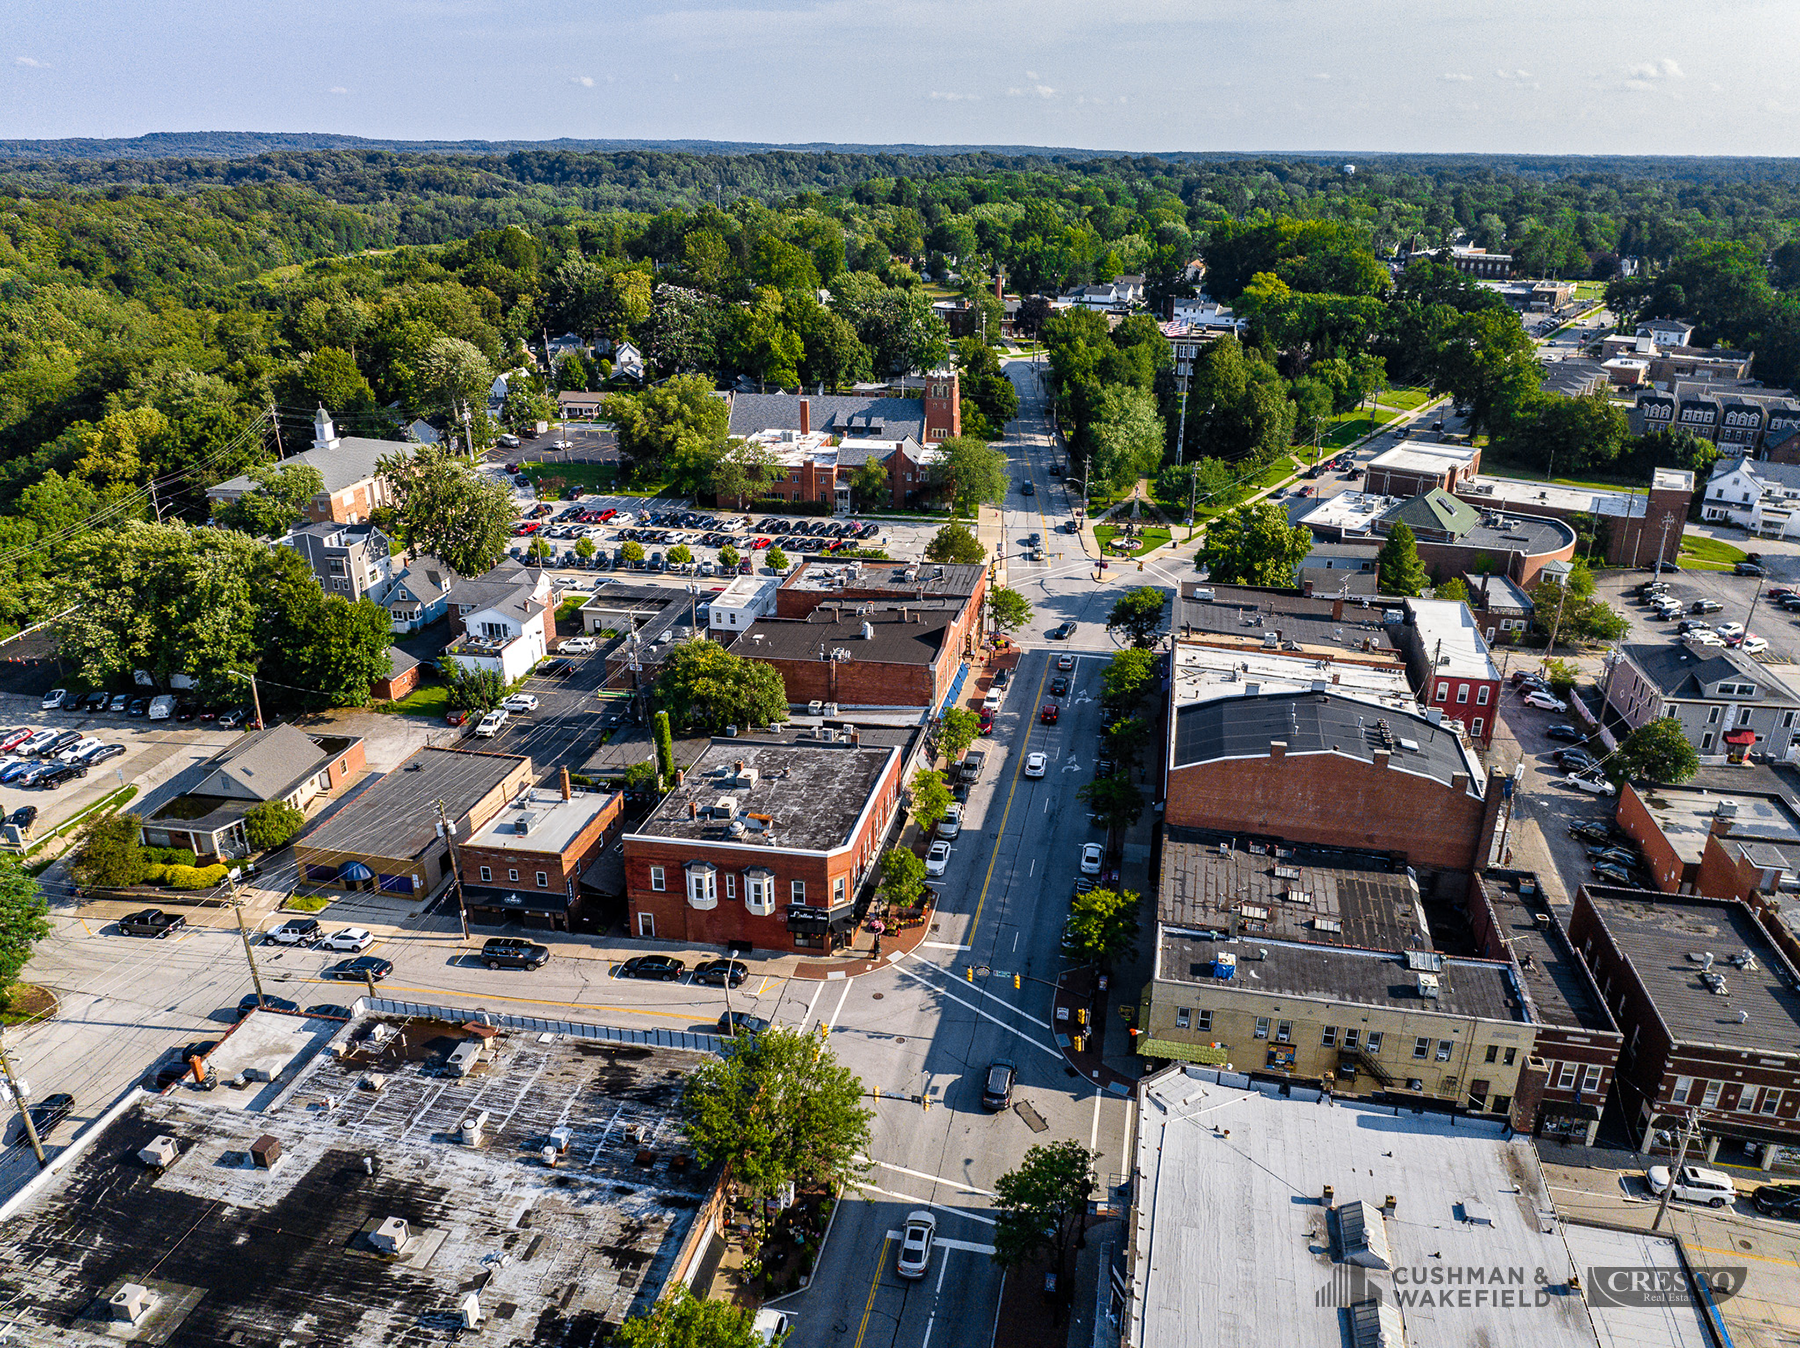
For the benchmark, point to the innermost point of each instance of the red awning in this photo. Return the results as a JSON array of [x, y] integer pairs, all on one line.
[[1740, 737]]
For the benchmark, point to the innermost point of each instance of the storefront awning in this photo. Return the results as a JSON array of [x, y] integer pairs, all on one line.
[[1180, 1052], [1740, 737], [355, 872]]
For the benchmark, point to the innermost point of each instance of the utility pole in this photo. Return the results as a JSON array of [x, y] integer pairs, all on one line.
[[255, 699], [275, 421], [155, 504], [18, 1095], [1754, 600], [1662, 545], [244, 934], [1690, 1124], [462, 911], [1556, 626], [1181, 426]]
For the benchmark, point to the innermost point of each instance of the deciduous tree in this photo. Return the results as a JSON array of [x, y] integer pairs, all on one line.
[[705, 685], [902, 877], [442, 506], [1255, 545], [1042, 1205], [22, 916], [1103, 925], [271, 824], [973, 473], [958, 731], [685, 1321], [955, 543], [1137, 616], [927, 798], [276, 503], [1657, 751], [107, 855], [1008, 610]]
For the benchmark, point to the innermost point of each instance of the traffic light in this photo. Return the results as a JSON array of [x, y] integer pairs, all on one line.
[[971, 973], [1015, 980]]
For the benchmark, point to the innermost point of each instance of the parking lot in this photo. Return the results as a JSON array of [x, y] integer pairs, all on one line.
[[1741, 599]]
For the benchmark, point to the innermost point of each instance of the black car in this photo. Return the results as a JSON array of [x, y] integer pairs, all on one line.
[[508, 952], [101, 754], [50, 1111], [1576, 760], [1618, 875], [66, 772], [185, 710], [330, 1010], [1062, 633], [1002, 677], [96, 701], [1059, 686], [151, 922], [23, 817], [741, 1022], [1589, 832], [62, 741], [252, 1002], [664, 967], [1566, 732], [1777, 1200], [720, 972], [1746, 569], [370, 965], [138, 706], [996, 1090]]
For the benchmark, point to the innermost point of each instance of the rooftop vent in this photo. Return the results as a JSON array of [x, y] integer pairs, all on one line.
[[160, 1153], [1426, 961], [1364, 1235], [524, 822], [130, 1303]]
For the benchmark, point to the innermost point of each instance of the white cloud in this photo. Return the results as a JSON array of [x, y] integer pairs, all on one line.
[[337, 89], [585, 81], [31, 61], [1655, 70], [1015, 93], [1322, 75], [1044, 91], [955, 98], [1031, 75], [1452, 77], [1520, 75]]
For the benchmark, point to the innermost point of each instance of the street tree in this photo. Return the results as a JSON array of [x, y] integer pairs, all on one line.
[[776, 559], [1115, 800], [729, 556], [706, 686], [870, 486], [538, 550], [1402, 572], [1127, 434], [1137, 616], [685, 1321], [928, 798], [954, 543], [633, 551], [973, 473], [1008, 610], [1042, 1206], [107, 855], [442, 506], [902, 877], [584, 548], [276, 503], [1125, 682], [1254, 545], [779, 1110], [1127, 738], [271, 824], [1103, 925], [681, 554], [1573, 612], [23, 920], [469, 687], [677, 428], [1657, 751], [665, 748], [958, 731], [453, 371]]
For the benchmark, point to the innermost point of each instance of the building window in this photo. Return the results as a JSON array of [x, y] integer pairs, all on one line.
[[656, 878], [1262, 1027], [1481, 695], [1710, 1100], [1493, 1053], [1328, 1039], [1374, 1045], [1462, 692], [731, 886], [543, 880], [1771, 1101], [1565, 1077], [1509, 1056], [837, 892], [647, 921], [1443, 692], [1590, 1079], [702, 885], [1421, 1047], [759, 893], [1476, 730], [1350, 1038], [1705, 743], [1284, 1032], [1787, 721], [1443, 1050], [1712, 717], [1203, 1019], [513, 875], [1679, 1096], [486, 874], [797, 891], [1181, 1017]]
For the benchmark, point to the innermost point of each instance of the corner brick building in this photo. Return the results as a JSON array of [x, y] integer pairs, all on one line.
[[763, 843], [525, 863]]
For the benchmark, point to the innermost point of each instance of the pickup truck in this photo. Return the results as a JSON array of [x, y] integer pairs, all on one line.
[[151, 922], [973, 762]]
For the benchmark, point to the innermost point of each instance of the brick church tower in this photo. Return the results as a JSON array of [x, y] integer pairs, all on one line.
[[943, 407]]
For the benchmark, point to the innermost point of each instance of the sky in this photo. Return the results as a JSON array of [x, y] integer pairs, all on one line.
[[1710, 77]]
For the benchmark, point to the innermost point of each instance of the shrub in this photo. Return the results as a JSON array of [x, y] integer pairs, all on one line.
[[155, 873], [170, 856], [189, 877]]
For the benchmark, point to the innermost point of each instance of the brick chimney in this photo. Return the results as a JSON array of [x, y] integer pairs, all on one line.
[[1277, 748], [1381, 757], [1000, 286], [1306, 589], [1337, 609], [565, 783], [805, 416]]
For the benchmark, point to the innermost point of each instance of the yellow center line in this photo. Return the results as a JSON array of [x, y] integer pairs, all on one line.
[[1742, 1254], [1018, 771], [874, 1287]]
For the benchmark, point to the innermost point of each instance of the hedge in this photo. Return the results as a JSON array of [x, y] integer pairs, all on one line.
[[188, 877]]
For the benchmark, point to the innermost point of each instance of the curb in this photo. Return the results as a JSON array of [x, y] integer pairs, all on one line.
[[837, 1204]]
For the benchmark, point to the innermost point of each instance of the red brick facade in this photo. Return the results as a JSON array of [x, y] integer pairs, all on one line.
[[1668, 870], [943, 408], [516, 867], [349, 506], [1474, 702]]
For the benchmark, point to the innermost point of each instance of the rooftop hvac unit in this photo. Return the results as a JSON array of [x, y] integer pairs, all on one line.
[[130, 1303], [160, 1152], [472, 1128], [391, 1236], [1428, 985]]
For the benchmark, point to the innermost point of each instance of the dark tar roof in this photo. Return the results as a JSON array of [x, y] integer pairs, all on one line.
[[1245, 613], [928, 579], [811, 793], [1326, 896], [397, 815], [1656, 932], [881, 418], [1681, 672], [1314, 723], [1558, 983], [1328, 973], [904, 634], [1331, 581]]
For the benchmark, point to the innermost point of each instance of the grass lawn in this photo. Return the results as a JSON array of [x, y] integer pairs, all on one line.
[[1700, 553], [1148, 538], [432, 700], [1407, 399], [590, 477], [26, 1002], [307, 903]]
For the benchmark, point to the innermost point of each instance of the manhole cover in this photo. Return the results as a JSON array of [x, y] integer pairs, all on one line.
[[983, 970], [878, 995], [899, 1039]]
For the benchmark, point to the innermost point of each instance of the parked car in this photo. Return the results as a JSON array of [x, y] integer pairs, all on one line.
[[986, 726], [490, 725], [722, 973], [915, 1244], [23, 818], [1705, 606], [12, 739], [1545, 701], [62, 739], [937, 859], [1091, 856], [1753, 645], [52, 777], [1746, 569], [577, 646], [519, 702], [997, 1087], [152, 922], [1613, 874], [665, 968], [1574, 758], [1565, 732], [139, 706], [301, 931], [951, 824], [50, 1111], [1694, 1184], [1730, 631], [162, 708], [1035, 764], [363, 966], [57, 698], [101, 754], [734, 1023], [252, 1003], [1591, 782], [231, 720], [118, 702], [1588, 831], [95, 701], [350, 938], [1777, 1200]]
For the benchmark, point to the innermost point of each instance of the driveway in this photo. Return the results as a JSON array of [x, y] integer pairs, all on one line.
[[1544, 805]]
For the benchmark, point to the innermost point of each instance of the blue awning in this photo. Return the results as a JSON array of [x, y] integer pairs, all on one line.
[[355, 872], [955, 688]]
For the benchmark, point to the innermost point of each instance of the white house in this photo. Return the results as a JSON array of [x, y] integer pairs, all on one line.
[[628, 361], [1754, 494], [507, 620], [742, 602]]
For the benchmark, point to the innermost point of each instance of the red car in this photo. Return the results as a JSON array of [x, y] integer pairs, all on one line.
[[987, 722], [455, 717], [1048, 714], [14, 738], [759, 545]]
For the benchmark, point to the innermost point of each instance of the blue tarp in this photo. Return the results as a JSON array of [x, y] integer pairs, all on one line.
[[955, 689]]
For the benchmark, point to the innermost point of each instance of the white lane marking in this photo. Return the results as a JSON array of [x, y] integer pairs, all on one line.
[[1045, 1048], [945, 1243], [838, 1009], [908, 1198], [939, 945], [804, 1020], [1094, 1132], [958, 1185], [1024, 1015]]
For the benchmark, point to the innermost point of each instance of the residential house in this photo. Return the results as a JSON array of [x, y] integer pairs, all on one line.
[[1503, 608], [579, 405], [1728, 705], [628, 362], [402, 679], [524, 864], [1118, 295], [346, 464], [420, 595], [1744, 419], [422, 432], [763, 844], [508, 617], [352, 560], [1754, 494]]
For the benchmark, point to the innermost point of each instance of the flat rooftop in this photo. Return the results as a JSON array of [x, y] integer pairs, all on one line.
[[1450, 634], [551, 824], [1482, 988], [1503, 533], [1291, 891], [397, 815], [1522, 496], [1656, 932], [921, 579], [1558, 983], [1206, 672], [899, 634], [243, 1255], [1424, 456], [1234, 1247], [1247, 616], [803, 796], [1686, 815], [1350, 512]]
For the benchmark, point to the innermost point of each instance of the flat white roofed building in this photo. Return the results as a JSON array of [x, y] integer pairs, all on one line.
[[1415, 466], [1450, 663], [737, 607], [1203, 673]]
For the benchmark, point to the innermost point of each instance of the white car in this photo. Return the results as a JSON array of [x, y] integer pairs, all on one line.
[[79, 749], [1544, 701], [1730, 631], [1091, 854], [915, 1244], [350, 938], [623, 518], [951, 824], [520, 702], [55, 698], [489, 725], [1753, 645], [1035, 764], [1705, 638], [1696, 1184], [577, 646], [937, 860], [1584, 781]]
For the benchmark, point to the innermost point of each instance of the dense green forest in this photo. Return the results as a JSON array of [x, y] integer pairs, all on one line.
[[162, 319]]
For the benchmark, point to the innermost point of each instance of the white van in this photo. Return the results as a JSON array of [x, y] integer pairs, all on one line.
[[162, 708], [1695, 1184]]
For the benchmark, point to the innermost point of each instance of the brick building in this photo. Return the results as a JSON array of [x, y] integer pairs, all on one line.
[[1455, 538], [346, 464], [1450, 664], [763, 843], [525, 863], [1413, 467], [1632, 526], [863, 654], [1717, 835], [1563, 1089], [1333, 770], [1710, 1015]]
